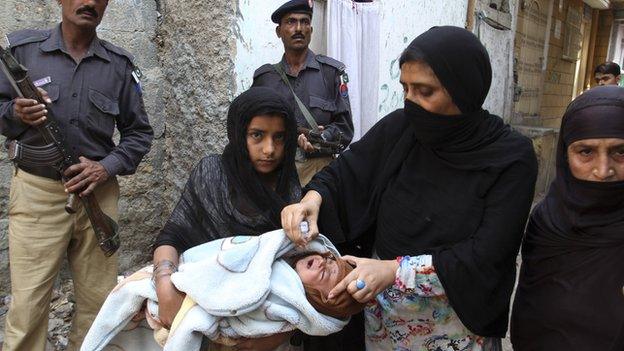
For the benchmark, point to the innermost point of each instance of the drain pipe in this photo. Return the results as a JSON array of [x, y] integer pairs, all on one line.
[[470, 15]]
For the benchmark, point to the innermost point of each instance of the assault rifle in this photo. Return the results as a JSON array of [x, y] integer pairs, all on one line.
[[105, 227], [319, 143]]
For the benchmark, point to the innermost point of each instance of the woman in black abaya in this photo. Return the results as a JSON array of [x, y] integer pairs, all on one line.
[[441, 190], [241, 191], [569, 294]]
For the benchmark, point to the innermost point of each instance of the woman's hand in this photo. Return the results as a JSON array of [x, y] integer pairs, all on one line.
[[308, 210], [377, 276], [267, 343], [169, 300]]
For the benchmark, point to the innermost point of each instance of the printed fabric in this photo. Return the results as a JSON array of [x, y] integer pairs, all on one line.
[[415, 314]]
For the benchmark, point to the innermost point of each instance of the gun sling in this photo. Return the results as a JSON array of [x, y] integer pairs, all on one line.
[[302, 107]]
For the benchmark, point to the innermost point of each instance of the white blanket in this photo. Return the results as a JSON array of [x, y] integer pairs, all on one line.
[[242, 289]]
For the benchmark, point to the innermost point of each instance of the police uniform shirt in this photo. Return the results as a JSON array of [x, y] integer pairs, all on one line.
[[318, 87], [88, 98]]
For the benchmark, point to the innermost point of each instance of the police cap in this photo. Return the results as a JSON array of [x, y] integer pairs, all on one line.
[[296, 6]]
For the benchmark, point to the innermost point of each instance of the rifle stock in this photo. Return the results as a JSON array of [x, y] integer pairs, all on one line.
[[105, 227]]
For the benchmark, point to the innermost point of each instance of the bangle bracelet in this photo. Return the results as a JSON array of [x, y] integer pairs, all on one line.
[[165, 263], [161, 274], [163, 268], [169, 270]]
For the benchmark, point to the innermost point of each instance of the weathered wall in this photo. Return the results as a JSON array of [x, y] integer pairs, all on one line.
[[401, 22], [559, 77], [500, 44], [196, 49], [184, 49], [256, 41]]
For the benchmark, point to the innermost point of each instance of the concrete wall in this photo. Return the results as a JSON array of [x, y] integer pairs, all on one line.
[[401, 22], [256, 41], [500, 45], [184, 49], [195, 47]]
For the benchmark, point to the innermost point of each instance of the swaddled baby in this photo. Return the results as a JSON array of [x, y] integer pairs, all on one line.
[[320, 273], [237, 287]]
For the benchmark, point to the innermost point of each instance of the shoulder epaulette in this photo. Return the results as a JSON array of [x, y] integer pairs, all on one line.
[[263, 69], [28, 36], [331, 62], [117, 50]]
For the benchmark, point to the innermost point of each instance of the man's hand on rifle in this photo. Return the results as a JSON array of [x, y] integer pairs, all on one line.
[[85, 176], [303, 142], [30, 111]]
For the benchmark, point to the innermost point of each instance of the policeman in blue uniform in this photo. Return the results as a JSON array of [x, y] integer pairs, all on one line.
[[318, 81], [92, 87]]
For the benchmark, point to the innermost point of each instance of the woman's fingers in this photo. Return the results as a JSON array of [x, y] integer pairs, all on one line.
[[369, 278], [343, 285], [287, 214], [351, 259], [313, 225], [291, 217]]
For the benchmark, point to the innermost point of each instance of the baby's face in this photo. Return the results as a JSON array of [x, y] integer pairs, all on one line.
[[320, 272]]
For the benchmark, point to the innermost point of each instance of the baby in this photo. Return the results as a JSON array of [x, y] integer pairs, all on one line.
[[237, 287], [320, 273]]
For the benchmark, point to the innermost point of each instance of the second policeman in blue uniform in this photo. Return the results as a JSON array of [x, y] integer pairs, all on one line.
[[320, 82]]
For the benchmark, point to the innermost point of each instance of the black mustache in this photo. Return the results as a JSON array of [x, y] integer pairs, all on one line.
[[87, 9]]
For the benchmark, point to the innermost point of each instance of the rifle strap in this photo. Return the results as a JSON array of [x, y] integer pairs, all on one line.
[[302, 107]]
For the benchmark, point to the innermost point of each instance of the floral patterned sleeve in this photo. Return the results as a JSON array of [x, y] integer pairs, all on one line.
[[416, 275]]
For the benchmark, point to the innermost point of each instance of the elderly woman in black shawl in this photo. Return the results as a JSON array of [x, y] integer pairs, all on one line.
[[241, 191], [569, 294], [441, 189]]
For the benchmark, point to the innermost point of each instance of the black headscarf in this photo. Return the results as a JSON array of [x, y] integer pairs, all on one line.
[[456, 187], [463, 66], [474, 140], [570, 289], [245, 184], [224, 195]]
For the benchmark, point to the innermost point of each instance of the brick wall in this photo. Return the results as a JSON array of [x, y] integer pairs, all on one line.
[[559, 77]]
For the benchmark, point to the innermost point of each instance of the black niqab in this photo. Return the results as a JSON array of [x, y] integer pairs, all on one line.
[[463, 66], [456, 187], [570, 290], [224, 195]]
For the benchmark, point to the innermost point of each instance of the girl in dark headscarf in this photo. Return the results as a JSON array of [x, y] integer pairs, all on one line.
[[241, 191], [569, 294], [441, 191]]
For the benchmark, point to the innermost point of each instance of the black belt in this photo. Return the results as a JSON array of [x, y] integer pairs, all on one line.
[[37, 160]]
